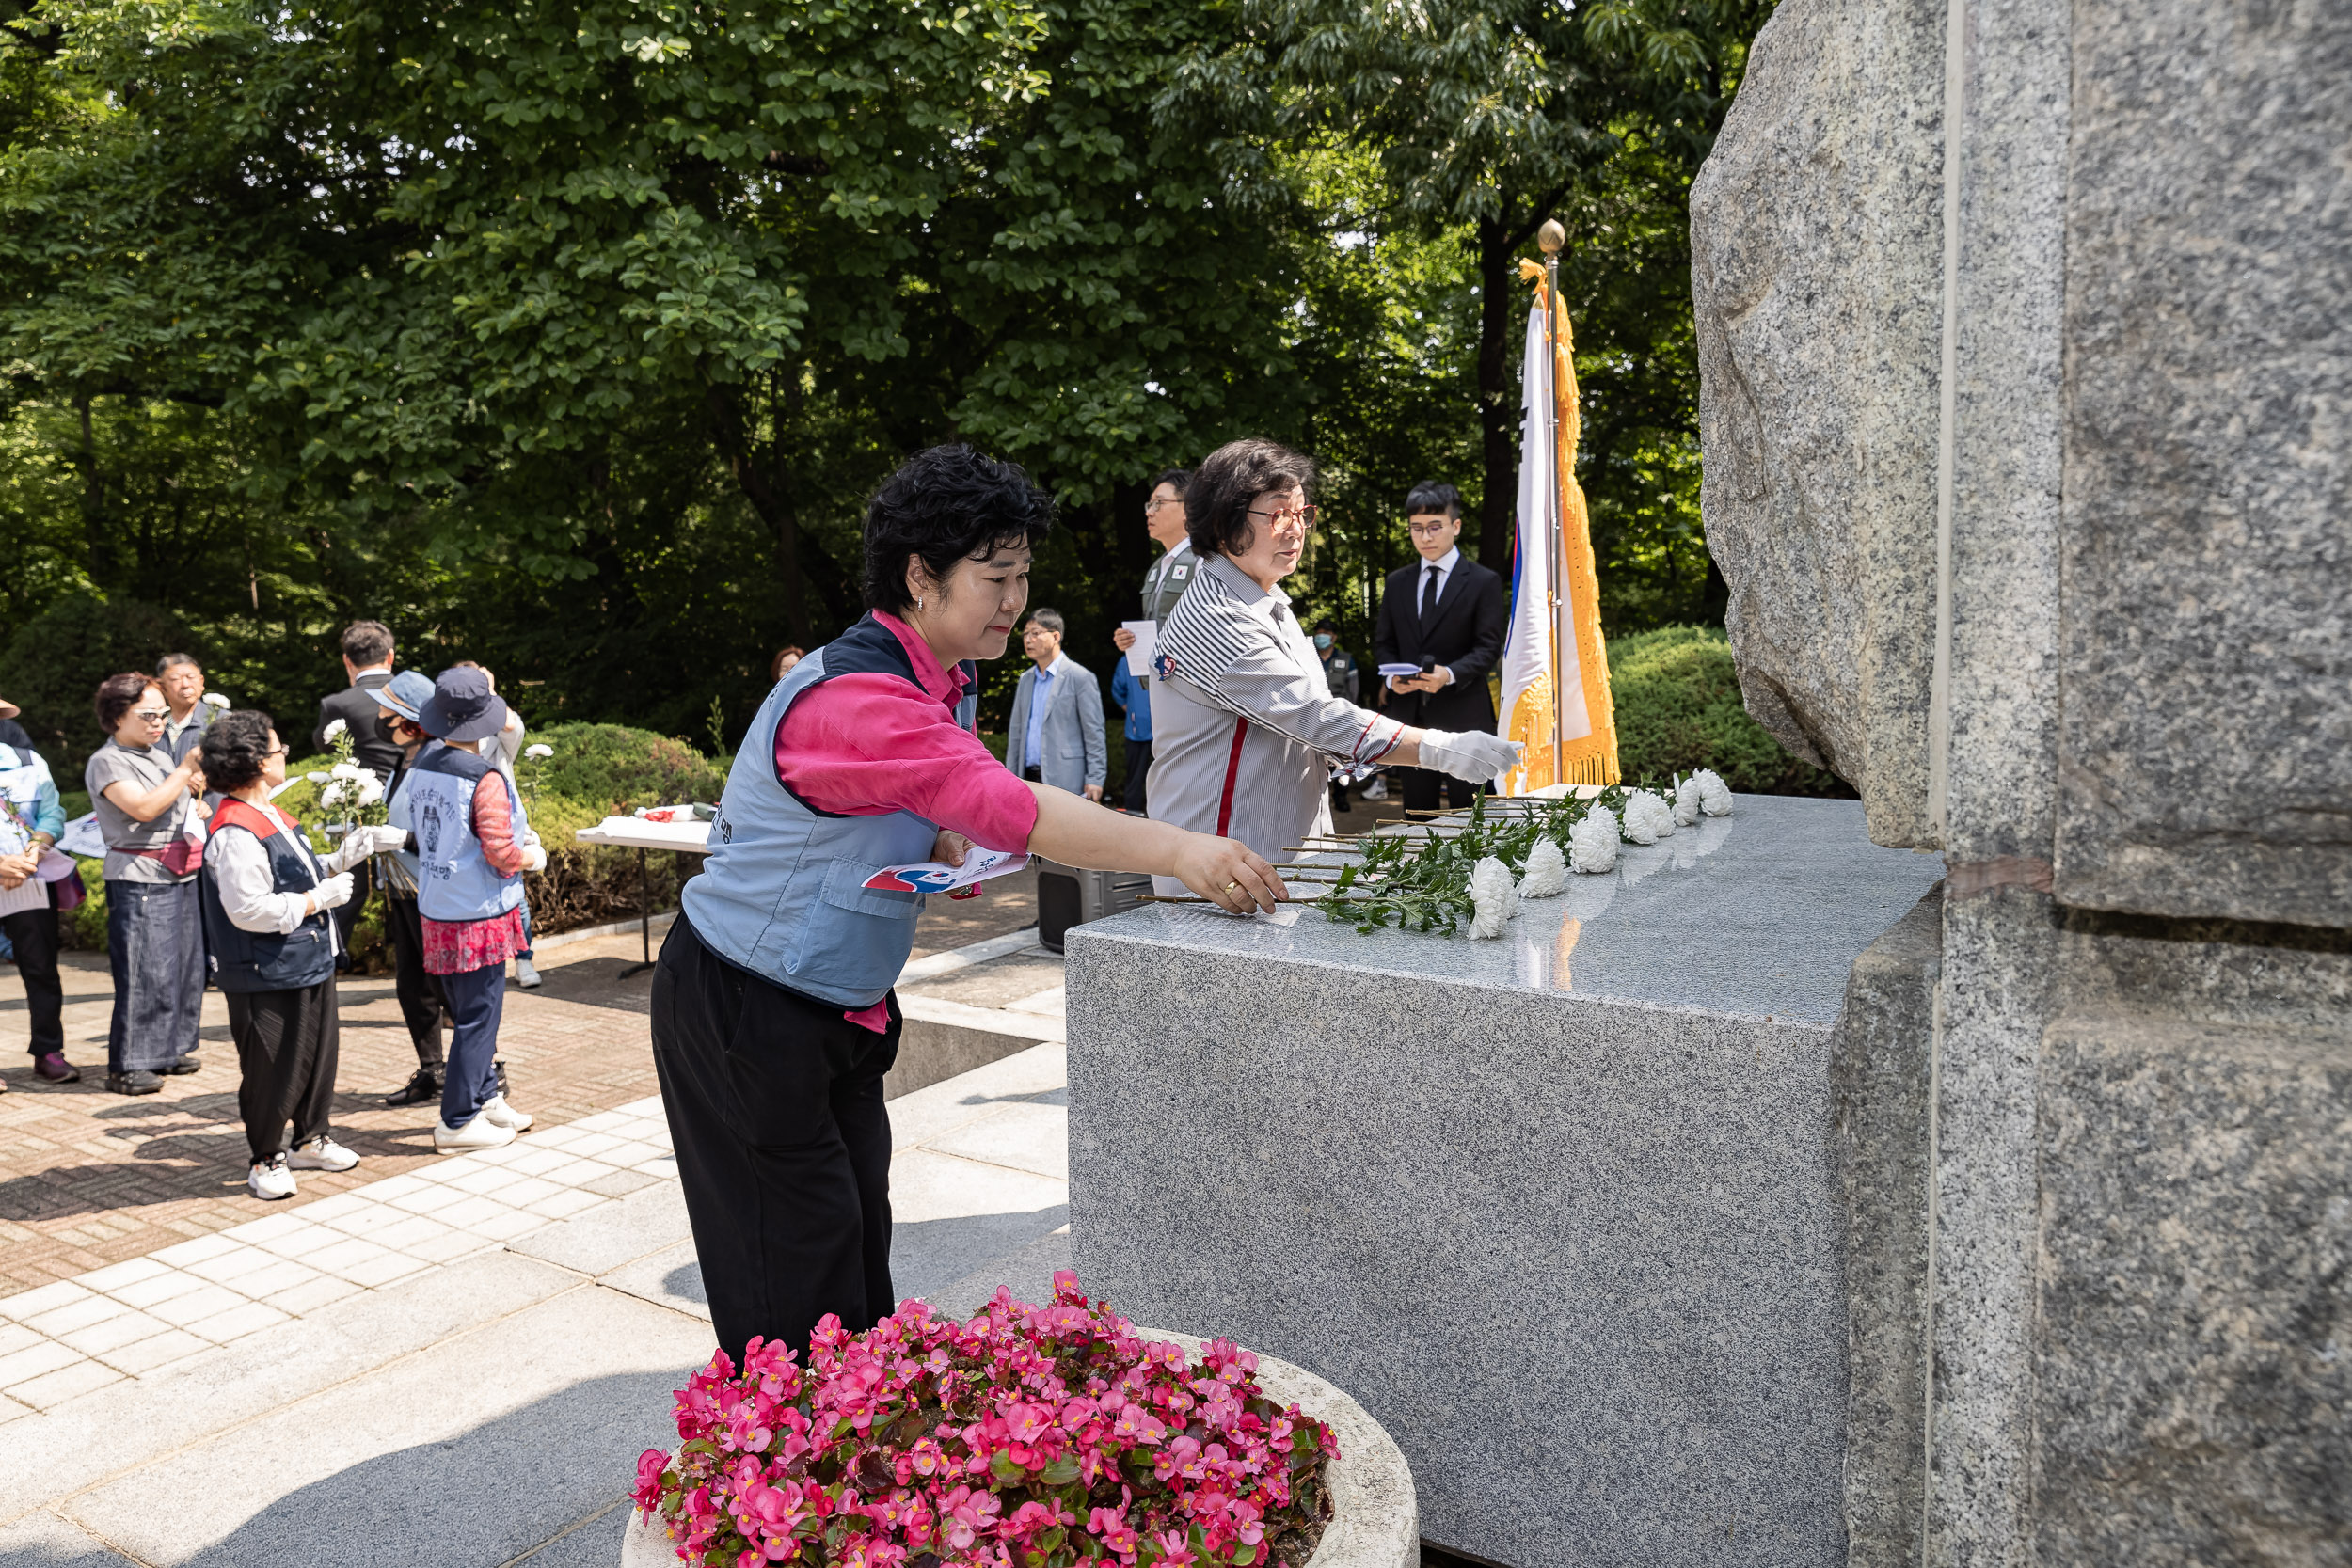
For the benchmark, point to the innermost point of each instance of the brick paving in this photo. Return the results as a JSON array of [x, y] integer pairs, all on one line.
[[90, 1178]]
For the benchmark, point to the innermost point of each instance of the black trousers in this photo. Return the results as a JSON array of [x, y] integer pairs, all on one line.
[[1421, 786], [422, 1001], [1138, 775], [34, 935], [287, 1047], [783, 1146]]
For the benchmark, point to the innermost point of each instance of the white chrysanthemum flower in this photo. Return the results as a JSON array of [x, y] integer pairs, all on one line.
[[215, 700], [1647, 817], [332, 795], [1687, 802], [1546, 871], [335, 728], [539, 751], [345, 770], [1714, 795], [1492, 895], [370, 790], [1593, 841]]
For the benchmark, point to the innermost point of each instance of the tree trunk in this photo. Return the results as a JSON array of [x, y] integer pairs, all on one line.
[[769, 500], [1497, 410], [1133, 547], [97, 536]]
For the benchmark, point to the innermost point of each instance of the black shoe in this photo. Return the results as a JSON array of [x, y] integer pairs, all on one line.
[[133, 1083], [423, 1085], [498, 1067], [189, 1063]]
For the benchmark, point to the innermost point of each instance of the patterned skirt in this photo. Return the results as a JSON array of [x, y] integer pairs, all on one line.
[[457, 947]]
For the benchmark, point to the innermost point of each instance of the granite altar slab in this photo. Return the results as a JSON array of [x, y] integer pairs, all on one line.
[[1560, 1208]]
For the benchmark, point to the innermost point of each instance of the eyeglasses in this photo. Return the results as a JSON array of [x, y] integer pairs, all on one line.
[[152, 715], [276, 751], [1430, 530], [1157, 501], [1299, 518]]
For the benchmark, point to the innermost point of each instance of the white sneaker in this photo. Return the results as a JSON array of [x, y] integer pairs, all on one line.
[[498, 1110], [271, 1180], [321, 1154], [481, 1133]]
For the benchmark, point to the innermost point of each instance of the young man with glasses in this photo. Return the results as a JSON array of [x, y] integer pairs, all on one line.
[[1447, 614]]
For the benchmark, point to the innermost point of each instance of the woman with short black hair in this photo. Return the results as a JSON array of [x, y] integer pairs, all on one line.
[[774, 1018], [272, 950]]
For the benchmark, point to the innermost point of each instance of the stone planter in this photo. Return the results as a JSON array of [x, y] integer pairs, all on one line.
[[1375, 1522]]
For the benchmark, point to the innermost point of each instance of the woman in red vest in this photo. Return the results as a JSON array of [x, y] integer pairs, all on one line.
[[271, 948]]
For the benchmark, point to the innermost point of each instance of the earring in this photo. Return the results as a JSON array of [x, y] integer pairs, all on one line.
[[918, 601]]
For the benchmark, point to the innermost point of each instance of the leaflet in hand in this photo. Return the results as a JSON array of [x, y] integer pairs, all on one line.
[[1400, 669], [939, 877], [1146, 644]]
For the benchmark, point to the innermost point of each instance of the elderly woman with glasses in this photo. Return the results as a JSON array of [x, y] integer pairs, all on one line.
[[151, 812], [265, 894], [1242, 712]]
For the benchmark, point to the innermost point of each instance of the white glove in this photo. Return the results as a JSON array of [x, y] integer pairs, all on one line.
[[383, 839], [534, 856], [1467, 754], [332, 894]]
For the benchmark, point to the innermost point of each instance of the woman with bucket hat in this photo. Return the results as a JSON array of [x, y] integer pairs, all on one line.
[[472, 848], [421, 1004], [271, 949]]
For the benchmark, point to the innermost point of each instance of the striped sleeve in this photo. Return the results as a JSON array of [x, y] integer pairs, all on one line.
[[1225, 657]]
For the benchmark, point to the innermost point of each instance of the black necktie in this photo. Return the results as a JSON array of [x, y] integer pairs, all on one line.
[[1429, 595]]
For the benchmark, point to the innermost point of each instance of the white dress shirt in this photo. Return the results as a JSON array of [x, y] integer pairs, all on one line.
[[248, 887]]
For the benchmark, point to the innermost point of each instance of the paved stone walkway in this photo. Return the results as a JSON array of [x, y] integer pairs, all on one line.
[[90, 1178], [457, 1364]]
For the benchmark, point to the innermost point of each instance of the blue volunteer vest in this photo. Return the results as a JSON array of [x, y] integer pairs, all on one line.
[[780, 894], [242, 961], [454, 882]]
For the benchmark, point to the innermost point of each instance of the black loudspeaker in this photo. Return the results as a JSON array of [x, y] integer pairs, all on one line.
[[1060, 905]]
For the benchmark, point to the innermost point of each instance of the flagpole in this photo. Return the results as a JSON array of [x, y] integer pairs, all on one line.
[[1551, 237]]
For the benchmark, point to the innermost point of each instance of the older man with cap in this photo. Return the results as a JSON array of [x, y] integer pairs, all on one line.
[[472, 847]]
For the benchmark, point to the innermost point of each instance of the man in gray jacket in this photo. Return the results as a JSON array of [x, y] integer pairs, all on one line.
[[1056, 736]]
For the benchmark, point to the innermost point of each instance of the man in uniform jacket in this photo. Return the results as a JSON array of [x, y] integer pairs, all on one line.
[[1447, 609], [1056, 736]]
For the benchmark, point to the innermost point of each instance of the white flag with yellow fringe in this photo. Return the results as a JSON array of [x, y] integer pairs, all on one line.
[[1555, 668]]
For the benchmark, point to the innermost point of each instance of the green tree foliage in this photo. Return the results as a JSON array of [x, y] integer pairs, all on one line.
[[570, 337], [1678, 709]]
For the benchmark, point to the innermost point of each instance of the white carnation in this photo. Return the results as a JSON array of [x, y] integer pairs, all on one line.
[[215, 700], [1546, 871], [1593, 841], [1647, 817], [538, 751], [1493, 898], [1714, 795], [1687, 802], [335, 728]]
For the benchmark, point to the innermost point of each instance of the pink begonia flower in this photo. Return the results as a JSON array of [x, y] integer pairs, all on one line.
[[1175, 1553]]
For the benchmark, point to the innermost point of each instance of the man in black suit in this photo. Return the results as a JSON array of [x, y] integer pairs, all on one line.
[[1450, 609], [368, 665]]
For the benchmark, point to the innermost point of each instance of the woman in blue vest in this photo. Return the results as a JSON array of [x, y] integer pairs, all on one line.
[[472, 847], [773, 1021], [264, 896]]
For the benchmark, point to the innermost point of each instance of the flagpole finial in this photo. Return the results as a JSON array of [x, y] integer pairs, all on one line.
[[1551, 237]]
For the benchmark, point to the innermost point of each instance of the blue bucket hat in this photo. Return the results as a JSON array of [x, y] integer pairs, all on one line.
[[407, 693], [462, 706]]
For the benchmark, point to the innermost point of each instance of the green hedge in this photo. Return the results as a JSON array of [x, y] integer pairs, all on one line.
[[1678, 709]]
